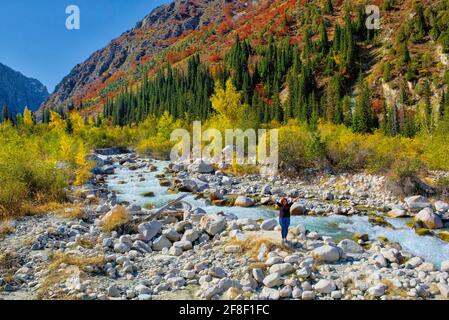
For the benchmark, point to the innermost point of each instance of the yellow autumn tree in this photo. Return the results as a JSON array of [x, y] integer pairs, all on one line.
[[27, 118], [77, 122], [56, 121], [83, 167], [227, 103], [66, 148]]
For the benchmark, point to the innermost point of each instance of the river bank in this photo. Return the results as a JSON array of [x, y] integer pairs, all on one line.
[[223, 241]]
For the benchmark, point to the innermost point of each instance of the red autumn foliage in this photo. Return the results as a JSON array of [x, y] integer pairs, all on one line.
[[215, 57], [377, 106]]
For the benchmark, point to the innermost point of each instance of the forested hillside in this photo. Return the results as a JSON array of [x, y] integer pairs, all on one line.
[[306, 60], [344, 97]]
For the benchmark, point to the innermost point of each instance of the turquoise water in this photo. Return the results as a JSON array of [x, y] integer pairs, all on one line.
[[429, 248]]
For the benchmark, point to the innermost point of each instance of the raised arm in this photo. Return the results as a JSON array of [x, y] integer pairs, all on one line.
[[275, 200]]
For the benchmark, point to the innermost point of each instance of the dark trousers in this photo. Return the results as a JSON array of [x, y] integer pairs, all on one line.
[[285, 223]]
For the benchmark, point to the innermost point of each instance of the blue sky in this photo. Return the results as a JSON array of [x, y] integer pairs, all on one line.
[[34, 39]]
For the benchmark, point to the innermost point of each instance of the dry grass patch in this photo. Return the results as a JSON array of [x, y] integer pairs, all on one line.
[[251, 247], [115, 218], [71, 213], [32, 209], [61, 268], [392, 290], [5, 229], [87, 243], [8, 261], [257, 265]]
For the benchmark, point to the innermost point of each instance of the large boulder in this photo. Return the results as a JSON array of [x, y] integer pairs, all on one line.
[[349, 246], [445, 266], [215, 195], [377, 290], [273, 280], [414, 262], [148, 230], [441, 206], [190, 235], [266, 189], [96, 159], [444, 290], [161, 243], [397, 213], [213, 224], [297, 209], [300, 229], [111, 151], [393, 255], [429, 219], [183, 244], [325, 286], [171, 234], [269, 294], [217, 272], [243, 201], [269, 224], [200, 166], [188, 185], [116, 217], [417, 202], [281, 268], [245, 222], [326, 253]]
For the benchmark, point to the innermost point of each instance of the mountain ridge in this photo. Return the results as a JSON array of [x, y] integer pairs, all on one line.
[[174, 32], [18, 91], [152, 34]]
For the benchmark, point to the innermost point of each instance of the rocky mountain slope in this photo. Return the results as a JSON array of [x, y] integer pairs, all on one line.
[[18, 91], [173, 32], [157, 31]]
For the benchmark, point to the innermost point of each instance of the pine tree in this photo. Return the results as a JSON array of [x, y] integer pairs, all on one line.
[[308, 44], [442, 105], [409, 129], [346, 108], [68, 126], [360, 27], [333, 96], [323, 42], [419, 24], [46, 116], [276, 107], [363, 119], [328, 7], [428, 122], [387, 5], [5, 114], [405, 54], [19, 120]]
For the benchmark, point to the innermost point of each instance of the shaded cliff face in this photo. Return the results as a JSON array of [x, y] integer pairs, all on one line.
[[18, 91], [156, 31]]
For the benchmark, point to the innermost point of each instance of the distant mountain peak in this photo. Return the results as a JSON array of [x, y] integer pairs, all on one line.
[[18, 91]]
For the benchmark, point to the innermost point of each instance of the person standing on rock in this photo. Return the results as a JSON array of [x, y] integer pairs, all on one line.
[[284, 215]]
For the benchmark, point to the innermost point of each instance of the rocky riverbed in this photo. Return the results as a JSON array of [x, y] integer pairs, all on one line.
[[352, 239]]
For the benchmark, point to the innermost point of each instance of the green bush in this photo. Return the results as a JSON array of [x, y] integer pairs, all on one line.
[[28, 172]]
